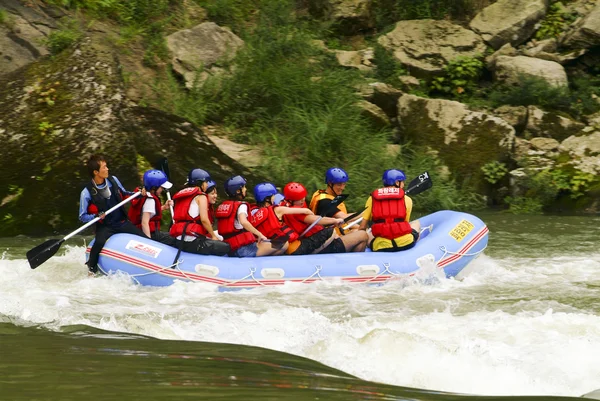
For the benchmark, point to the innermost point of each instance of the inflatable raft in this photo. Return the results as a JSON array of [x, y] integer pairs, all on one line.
[[450, 240]]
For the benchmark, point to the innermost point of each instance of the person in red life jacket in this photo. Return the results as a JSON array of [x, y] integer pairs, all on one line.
[[233, 225], [389, 209], [146, 211], [295, 194], [102, 193], [193, 227]]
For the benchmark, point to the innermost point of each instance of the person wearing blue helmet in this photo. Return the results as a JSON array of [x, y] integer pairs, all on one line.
[[100, 194], [389, 209], [233, 224], [336, 179], [146, 211], [193, 227]]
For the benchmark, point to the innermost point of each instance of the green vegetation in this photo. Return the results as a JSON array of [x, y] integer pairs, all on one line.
[[64, 38], [3, 17], [555, 22], [461, 77], [388, 69], [390, 11], [494, 171]]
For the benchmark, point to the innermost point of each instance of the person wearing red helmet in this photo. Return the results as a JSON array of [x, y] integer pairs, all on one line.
[[318, 238], [389, 210], [146, 211]]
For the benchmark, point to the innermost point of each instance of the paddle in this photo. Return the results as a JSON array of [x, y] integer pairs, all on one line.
[[164, 166], [45, 251], [354, 215], [419, 184]]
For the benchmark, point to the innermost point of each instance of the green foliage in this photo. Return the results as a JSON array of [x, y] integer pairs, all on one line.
[[3, 17], [63, 38], [388, 67], [460, 76], [387, 12], [585, 90], [555, 22], [232, 13], [44, 127], [531, 91], [523, 205], [494, 171]]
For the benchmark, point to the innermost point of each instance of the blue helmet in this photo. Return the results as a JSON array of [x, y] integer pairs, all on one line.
[[154, 179], [197, 176], [391, 176], [278, 199], [264, 190], [336, 175], [233, 184], [211, 185]]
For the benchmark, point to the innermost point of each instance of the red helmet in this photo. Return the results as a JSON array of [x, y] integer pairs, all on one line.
[[294, 191]]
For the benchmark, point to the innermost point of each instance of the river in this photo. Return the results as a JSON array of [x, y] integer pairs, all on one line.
[[525, 321]]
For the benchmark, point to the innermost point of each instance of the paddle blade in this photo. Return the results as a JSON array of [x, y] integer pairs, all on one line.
[[334, 204], [354, 215], [419, 184], [43, 252], [163, 165]]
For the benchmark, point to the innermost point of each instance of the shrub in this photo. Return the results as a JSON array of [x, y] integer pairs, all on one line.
[[388, 67], [494, 171], [555, 22], [531, 91], [63, 38], [388, 12], [460, 76]]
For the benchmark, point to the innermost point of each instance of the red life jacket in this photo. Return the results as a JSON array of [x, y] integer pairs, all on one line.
[[265, 220], [136, 210], [296, 223], [181, 214], [226, 214], [389, 213]]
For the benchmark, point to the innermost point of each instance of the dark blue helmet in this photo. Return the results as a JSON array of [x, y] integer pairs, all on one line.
[[154, 179], [391, 176], [210, 185], [233, 184], [336, 175], [197, 176], [263, 191]]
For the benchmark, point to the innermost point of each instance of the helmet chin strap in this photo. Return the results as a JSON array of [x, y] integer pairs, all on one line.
[[330, 186]]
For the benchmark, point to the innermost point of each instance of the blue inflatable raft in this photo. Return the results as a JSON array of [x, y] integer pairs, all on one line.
[[449, 240]]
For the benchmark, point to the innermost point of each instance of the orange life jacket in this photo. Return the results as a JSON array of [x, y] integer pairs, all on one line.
[[389, 213], [136, 210], [321, 194], [265, 220], [226, 214], [181, 214]]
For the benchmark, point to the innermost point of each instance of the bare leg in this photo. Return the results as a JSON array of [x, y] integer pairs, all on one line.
[[326, 243], [265, 249], [355, 241]]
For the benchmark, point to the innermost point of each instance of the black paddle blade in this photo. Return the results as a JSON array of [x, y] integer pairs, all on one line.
[[43, 252], [163, 165], [419, 184], [334, 203], [354, 215]]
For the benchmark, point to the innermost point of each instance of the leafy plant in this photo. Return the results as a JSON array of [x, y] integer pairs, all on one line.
[[531, 91], [388, 67], [63, 38], [387, 12], [44, 127], [460, 76], [555, 22], [523, 205], [494, 171]]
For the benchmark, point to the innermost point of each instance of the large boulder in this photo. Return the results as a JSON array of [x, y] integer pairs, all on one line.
[[56, 112], [584, 152], [426, 47], [550, 125], [198, 51], [508, 69], [509, 21], [347, 17], [23, 33], [586, 34], [466, 140]]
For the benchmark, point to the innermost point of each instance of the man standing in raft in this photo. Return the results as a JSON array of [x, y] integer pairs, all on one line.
[[389, 210], [233, 224], [193, 225], [146, 211], [102, 193]]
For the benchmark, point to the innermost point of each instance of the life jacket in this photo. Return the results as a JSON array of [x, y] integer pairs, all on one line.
[[389, 213], [321, 194], [136, 210], [181, 214], [265, 220], [99, 204], [226, 214], [296, 223]]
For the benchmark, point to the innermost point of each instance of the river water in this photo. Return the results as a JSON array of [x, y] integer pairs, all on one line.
[[524, 321]]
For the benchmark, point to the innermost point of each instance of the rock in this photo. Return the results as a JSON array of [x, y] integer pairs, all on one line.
[[377, 116], [586, 34], [545, 144], [584, 152], [509, 21], [202, 48], [508, 69], [550, 125], [514, 115], [426, 47]]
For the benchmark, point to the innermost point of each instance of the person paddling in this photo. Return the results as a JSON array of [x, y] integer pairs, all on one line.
[[100, 194], [146, 211], [389, 210]]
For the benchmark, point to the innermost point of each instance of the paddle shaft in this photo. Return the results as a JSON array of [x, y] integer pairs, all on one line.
[[334, 204], [112, 209], [171, 207]]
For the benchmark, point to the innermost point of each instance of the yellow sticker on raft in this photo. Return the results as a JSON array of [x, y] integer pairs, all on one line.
[[461, 230]]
